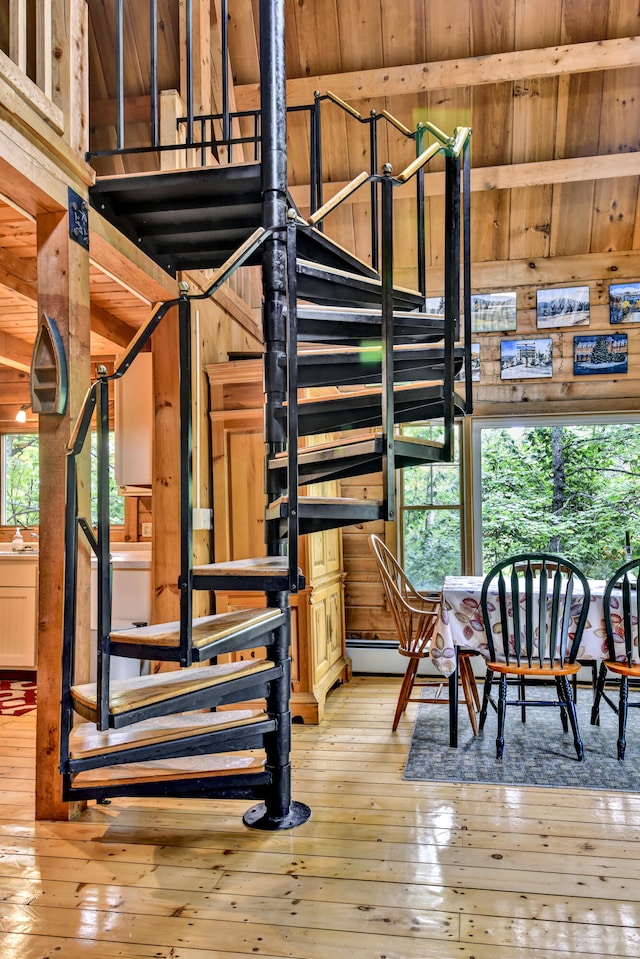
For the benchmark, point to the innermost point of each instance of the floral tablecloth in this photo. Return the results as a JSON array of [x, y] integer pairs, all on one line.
[[461, 624]]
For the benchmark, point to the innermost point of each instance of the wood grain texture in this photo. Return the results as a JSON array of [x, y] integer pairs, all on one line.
[[383, 867]]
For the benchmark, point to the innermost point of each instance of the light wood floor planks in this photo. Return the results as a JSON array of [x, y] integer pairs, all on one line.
[[385, 869]]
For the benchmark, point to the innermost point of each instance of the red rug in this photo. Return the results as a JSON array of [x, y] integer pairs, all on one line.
[[16, 697]]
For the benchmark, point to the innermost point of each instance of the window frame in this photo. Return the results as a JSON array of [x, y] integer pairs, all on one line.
[[21, 431], [520, 420], [395, 537]]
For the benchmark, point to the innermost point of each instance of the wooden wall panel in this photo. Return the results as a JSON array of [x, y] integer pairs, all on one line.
[[406, 45], [571, 217], [614, 214], [537, 24], [490, 213], [491, 123], [583, 20], [530, 212]]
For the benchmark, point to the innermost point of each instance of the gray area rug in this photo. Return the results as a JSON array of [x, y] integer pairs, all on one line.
[[537, 753]]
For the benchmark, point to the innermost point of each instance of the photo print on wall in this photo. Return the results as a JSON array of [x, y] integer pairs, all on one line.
[[493, 312], [598, 354], [568, 306], [526, 359], [475, 365], [624, 303]]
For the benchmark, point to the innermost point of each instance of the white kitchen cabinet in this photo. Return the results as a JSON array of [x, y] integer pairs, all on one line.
[[18, 612]]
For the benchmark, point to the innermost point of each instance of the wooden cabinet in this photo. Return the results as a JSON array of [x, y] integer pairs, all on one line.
[[317, 613], [18, 612]]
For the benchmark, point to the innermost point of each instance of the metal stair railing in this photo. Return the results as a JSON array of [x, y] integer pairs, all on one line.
[[456, 152], [96, 401]]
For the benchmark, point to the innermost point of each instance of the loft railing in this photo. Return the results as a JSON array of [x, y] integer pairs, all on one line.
[[26, 40], [27, 56], [219, 137]]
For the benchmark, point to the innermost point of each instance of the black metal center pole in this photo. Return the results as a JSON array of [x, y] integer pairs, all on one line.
[[278, 810]]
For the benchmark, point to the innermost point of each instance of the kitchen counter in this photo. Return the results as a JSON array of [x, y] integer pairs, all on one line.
[[7, 553], [129, 556]]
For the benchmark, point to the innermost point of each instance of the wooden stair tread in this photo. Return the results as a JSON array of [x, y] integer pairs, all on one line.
[[170, 770], [260, 565], [114, 178], [371, 392], [343, 444], [130, 694], [350, 440], [86, 740], [310, 310], [346, 277], [327, 501], [206, 629], [400, 349]]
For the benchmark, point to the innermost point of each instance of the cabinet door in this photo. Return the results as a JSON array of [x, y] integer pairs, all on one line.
[[238, 481], [335, 622], [319, 636], [18, 627]]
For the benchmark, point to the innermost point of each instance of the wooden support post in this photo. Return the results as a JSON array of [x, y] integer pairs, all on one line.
[[171, 107], [63, 293], [165, 553], [18, 33], [70, 65], [44, 35]]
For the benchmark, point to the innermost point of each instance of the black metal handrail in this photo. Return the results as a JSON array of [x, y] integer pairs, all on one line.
[[456, 152], [96, 402]]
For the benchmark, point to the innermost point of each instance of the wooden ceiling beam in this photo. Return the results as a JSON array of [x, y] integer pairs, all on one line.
[[15, 353], [111, 327], [19, 274], [116, 255], [504, 177], [450, 74]]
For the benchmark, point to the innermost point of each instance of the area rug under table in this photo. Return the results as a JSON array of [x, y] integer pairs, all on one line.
[[537, 753], [16, 697]]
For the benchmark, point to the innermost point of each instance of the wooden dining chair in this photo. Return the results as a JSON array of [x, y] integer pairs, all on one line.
[[534, 609], [621, 603], [415, 615]]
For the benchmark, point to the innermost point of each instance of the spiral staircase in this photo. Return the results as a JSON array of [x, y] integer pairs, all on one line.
[[332, 325]]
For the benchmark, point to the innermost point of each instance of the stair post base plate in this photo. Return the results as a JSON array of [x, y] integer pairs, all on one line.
[[258, 818]]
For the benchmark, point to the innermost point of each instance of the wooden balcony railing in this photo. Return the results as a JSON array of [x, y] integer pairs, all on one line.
[[26, 55]]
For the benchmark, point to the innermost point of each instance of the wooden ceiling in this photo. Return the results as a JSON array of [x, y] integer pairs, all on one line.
[[550, 88]]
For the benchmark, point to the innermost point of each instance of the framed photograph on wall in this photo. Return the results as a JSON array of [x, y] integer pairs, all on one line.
[[475, 365], [493, 312], [624, 303], [599, 354], [434, 305], [568, 306], [526, 359]]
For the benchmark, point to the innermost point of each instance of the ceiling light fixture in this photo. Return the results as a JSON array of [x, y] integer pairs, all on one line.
[[21, 415]]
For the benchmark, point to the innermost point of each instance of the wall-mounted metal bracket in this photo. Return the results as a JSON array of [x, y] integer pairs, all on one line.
[[78, 219]]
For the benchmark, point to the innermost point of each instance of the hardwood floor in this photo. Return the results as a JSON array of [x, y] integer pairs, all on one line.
[[385, 869]]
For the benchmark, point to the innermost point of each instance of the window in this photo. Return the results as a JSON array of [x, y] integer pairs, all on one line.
[[21, 481], [431, 514], [567, 486]]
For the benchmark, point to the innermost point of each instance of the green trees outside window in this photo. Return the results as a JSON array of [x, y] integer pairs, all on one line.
[[430, 511], [571, 489], [21, 475], [21, 481]]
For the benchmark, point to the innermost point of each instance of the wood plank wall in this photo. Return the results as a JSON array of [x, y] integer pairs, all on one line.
[[366, 614]]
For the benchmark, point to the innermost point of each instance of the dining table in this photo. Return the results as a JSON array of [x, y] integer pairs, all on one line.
[[460, 626]]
